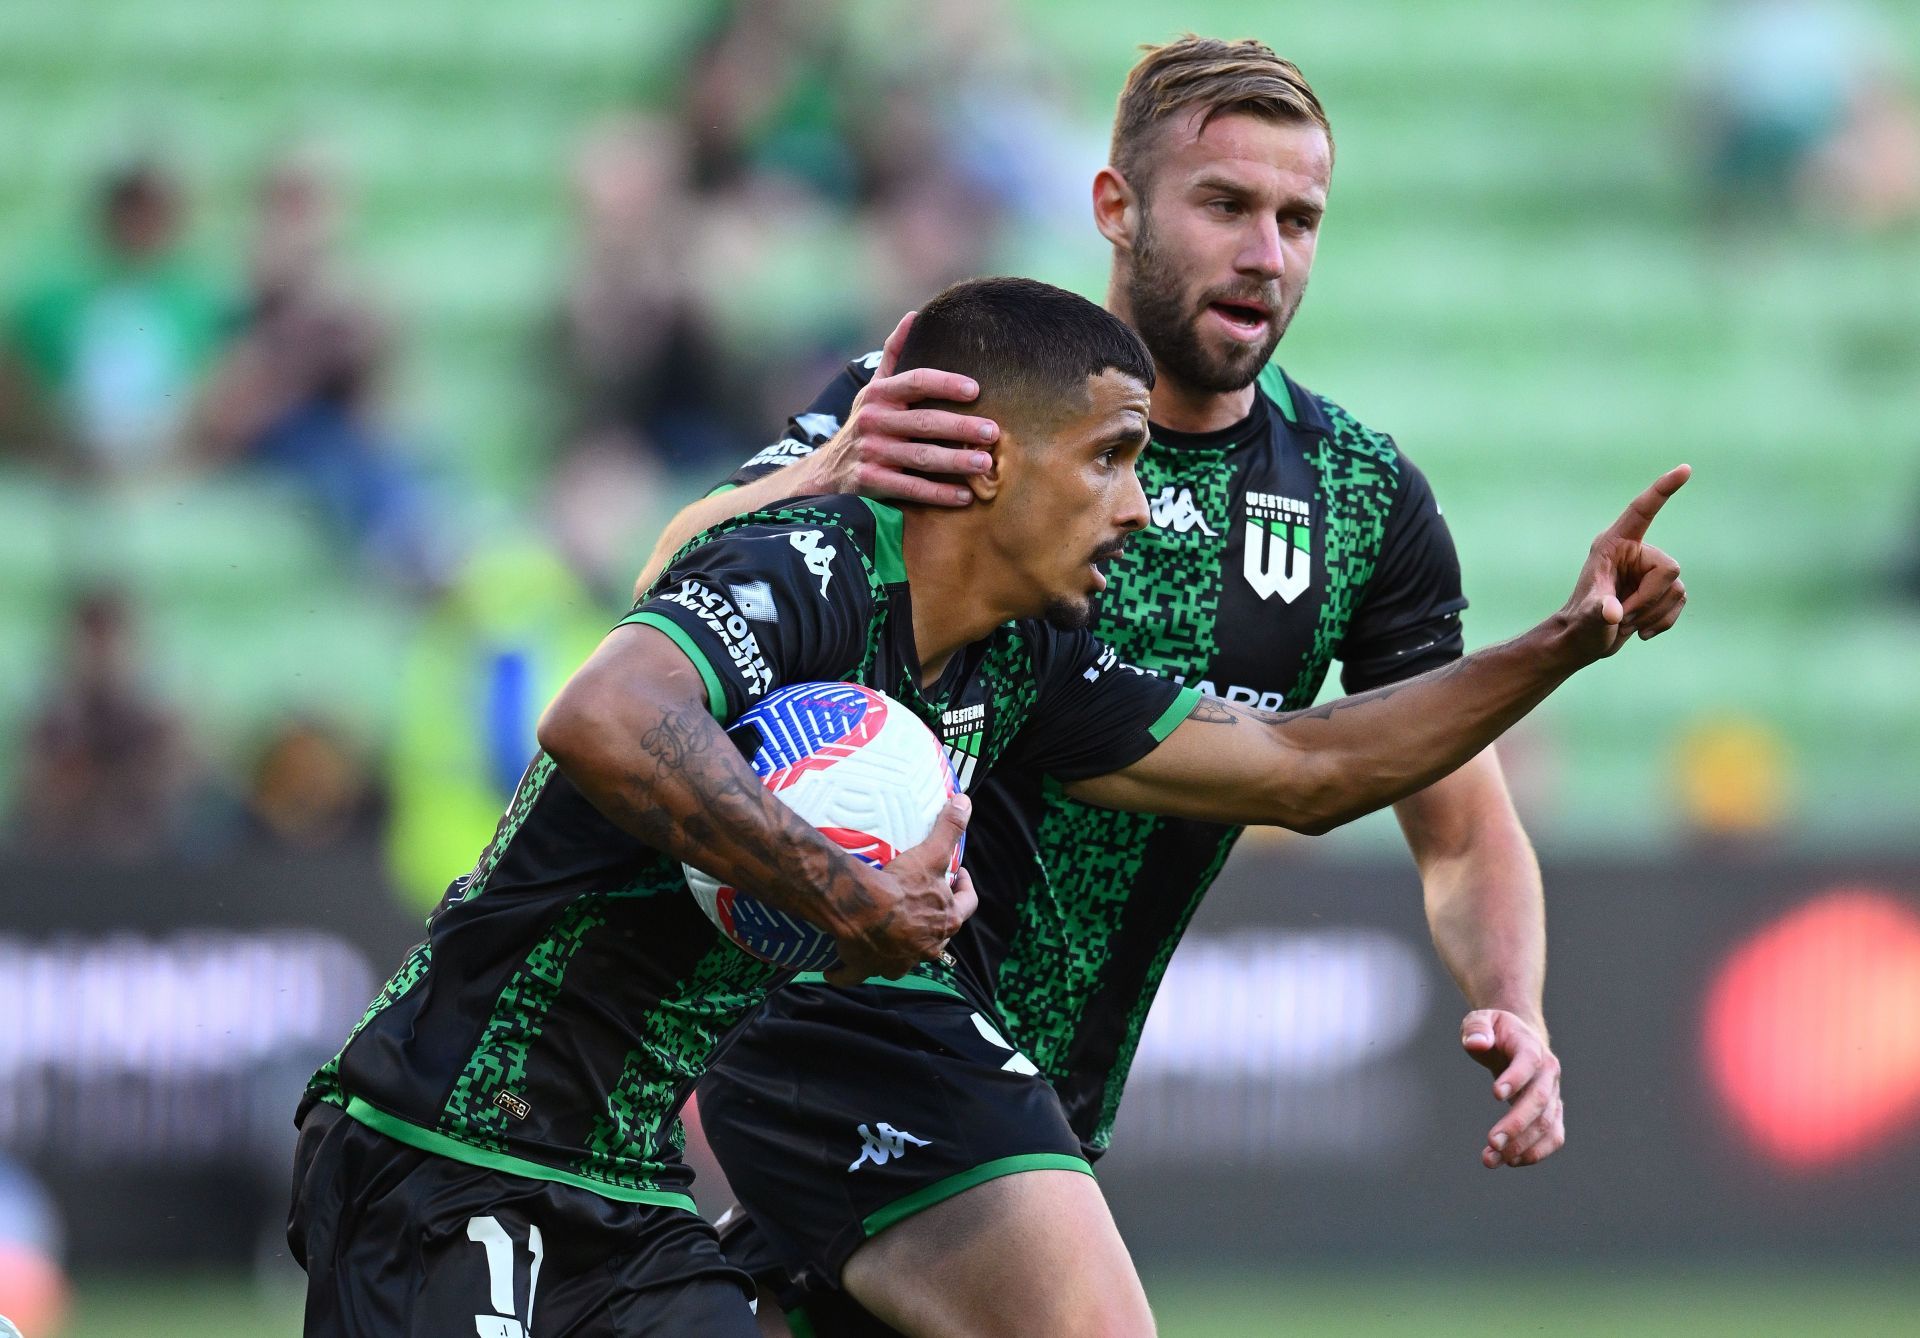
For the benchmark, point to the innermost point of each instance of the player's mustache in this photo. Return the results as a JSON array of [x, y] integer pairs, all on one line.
[[1266, 297], [1110, 551]]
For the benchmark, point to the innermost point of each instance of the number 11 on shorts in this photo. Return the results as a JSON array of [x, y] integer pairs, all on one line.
[[487, 1233]]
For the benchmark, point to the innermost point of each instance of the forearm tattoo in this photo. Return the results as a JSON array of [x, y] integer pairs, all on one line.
[[688, 792]]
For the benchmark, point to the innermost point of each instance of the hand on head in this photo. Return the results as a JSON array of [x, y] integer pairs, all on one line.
[[889, 449]]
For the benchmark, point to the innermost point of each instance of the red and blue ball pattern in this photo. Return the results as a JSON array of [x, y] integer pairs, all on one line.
[[857, 765]]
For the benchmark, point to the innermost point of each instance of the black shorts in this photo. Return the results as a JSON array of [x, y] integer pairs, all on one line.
[[838, 1112], [396, 1241]]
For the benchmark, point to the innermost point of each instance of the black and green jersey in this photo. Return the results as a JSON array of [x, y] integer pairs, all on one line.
[[570, 990], [1278, 545]]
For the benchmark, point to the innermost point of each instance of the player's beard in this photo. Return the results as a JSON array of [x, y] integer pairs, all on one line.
[[1069, 615], [1169, 323]]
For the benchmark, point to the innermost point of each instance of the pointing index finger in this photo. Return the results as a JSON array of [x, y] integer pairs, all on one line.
[[1641, 510]]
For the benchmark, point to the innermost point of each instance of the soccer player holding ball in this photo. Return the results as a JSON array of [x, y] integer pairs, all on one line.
[[496, 1147], [1284, 534]]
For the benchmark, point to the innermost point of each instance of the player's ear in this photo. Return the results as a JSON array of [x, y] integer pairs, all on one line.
[[1116, 210], [993, 482], [985, 487]]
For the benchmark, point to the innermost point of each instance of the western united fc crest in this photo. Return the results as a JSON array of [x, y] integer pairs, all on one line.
[[1279, 546]]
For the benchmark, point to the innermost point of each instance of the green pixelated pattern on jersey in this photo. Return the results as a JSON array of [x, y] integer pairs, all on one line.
[[1158, 612], [677, 1038], [525, 795], [499, 1062], [325, 1084], [1359, 471]]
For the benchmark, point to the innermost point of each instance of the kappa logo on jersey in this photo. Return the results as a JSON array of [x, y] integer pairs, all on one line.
[[872, 361], [962, 731], [1279, 549], [883, 1143], [719, 616], [783, 452], [1176, 510], [819, 557]]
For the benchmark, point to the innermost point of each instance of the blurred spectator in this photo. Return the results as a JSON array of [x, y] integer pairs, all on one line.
[[1799, 110], [107, 770], [1733, 778], [483, 665], [109, 347], [764, 94], [311, 788], [300, 392], [641, 367]]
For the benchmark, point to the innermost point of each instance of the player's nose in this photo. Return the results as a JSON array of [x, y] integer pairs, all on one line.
[[1262, 255], [1132, 513]]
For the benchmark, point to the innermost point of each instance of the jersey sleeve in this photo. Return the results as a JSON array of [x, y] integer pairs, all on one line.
[[1095, 713], [763, 606], [1409, 618], [811, 428]]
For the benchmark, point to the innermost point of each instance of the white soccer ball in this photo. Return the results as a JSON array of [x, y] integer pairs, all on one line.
[[856, 764]]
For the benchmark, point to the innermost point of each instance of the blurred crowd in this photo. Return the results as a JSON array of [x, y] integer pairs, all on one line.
[[794, 187], [676, 345]]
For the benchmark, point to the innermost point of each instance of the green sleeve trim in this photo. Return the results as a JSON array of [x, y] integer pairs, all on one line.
[[716, 695], [889, 553], [904, 983], [940, 1190], [1274, 382], [1180, 708], [720, 488], [428, 1140], [800, 1323]]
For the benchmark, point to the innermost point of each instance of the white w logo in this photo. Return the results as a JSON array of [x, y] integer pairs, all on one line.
[[881, 1143], [1272, 565]]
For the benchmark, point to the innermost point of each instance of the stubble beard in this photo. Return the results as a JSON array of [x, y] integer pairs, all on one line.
[[1168, 324], [1068, 615]]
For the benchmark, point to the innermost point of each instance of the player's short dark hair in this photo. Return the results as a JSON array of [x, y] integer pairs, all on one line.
[[1029, 345], [1214, 77]]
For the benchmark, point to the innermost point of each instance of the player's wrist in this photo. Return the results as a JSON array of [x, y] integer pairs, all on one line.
[[1558, 645]]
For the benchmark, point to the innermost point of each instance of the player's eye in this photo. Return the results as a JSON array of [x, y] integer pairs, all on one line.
[[1225, 208]]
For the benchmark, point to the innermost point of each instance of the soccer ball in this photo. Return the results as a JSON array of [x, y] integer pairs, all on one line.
[[856, 764]]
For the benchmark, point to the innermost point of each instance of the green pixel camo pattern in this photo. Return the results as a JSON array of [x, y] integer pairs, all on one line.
[[525, 795], [1158, 612], [1161, 614], [325, 1084], [1013, 688], [682, 1027], [1359, 473], [499, 1062], [676, 1039]]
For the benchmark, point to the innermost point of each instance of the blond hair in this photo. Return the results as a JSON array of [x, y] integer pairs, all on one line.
[[1215, 77]]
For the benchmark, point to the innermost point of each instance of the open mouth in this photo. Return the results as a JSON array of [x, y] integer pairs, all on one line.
[[1244, 320]]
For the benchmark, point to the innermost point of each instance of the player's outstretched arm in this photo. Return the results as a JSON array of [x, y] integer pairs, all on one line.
[[631, 729], [882, 450], [1313, 770]]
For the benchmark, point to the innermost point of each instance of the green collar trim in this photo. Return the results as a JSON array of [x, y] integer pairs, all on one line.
[[1274, 382], [889, 552]]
